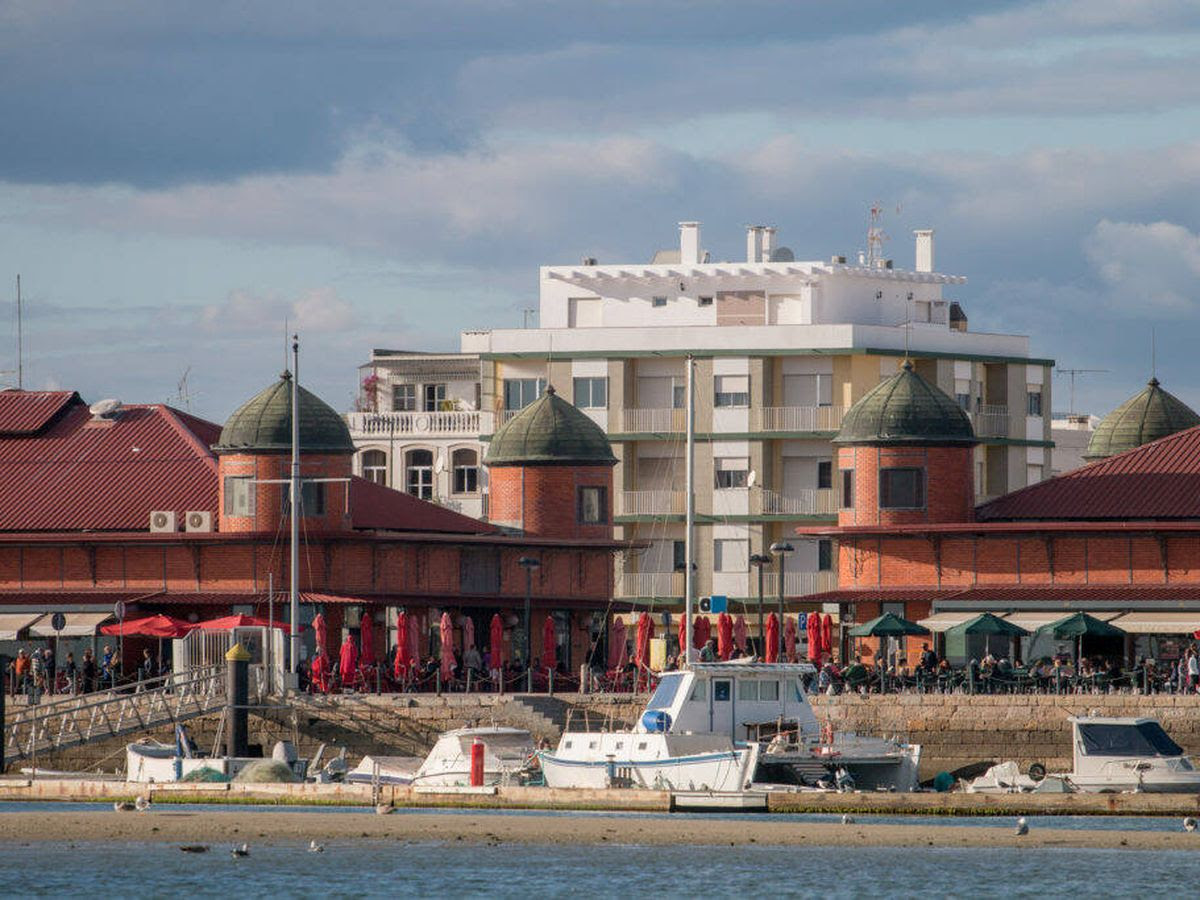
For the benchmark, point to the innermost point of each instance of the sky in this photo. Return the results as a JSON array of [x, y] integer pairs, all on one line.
[[179, 180]]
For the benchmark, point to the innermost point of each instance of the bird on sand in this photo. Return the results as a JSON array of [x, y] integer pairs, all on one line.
[[141, 804], [384, 809], [314, 847], [241, 851], [847, 819], [124, 806], [1022, 827], [1189, 823]]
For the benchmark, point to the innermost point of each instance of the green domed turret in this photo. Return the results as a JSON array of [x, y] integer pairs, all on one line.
[[1151, 414], [264, 423], [906, 409], [549, 432]]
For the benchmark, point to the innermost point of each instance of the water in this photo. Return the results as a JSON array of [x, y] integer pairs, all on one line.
[[389, 868]]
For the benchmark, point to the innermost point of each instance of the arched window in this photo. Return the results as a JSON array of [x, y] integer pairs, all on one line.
[[466, 471], [374, 466], [418, 473]]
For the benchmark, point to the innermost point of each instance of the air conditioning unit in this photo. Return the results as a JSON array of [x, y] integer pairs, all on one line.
[[197, 520], [163, 520], [705, 604]]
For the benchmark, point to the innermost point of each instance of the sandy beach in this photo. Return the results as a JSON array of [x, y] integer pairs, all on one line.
[[218, 828]]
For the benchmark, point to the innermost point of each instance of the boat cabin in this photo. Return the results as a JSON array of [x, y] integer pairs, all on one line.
[[743, 700], [1099, 741]]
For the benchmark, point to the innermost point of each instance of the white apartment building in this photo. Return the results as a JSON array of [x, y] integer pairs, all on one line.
[[782, 348]]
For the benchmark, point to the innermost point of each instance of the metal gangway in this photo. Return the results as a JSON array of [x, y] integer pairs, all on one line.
[[151, 703]]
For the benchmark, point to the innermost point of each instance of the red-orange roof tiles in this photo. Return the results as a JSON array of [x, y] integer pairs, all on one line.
[[28, 412], [374, 506]]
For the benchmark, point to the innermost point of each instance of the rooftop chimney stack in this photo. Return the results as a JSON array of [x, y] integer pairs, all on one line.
[[689, 243], [924, 249], [754, 237], [768, 242]]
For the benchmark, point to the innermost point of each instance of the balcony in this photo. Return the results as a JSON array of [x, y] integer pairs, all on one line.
[[653, 421], [795, 584], [650, 584], [651, 503], [801, 418], [991, 420], [451, 423], [807, 502]]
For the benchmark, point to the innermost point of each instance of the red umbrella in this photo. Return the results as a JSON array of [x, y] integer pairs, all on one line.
[[739, 634], [158, 626], [318, 624], [701, 632], [772, 648], [789, 638], [497, 643], [228, 623], [549, 644], [683, 637], [416, 625], [724, 636], [366, 635], [814, 636], [645, 631], [616, 645], [403, 653], [827, 635], [446, 632], [348, 663]]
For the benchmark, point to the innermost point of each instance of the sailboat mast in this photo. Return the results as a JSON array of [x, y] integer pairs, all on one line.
[[294, 493], [690, 510]]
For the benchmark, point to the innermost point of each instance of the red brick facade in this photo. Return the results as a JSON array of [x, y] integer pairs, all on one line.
[[269, 497], [544, 500], [949, 484]]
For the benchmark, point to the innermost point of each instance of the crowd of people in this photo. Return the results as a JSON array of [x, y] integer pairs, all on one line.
[[35, 672]]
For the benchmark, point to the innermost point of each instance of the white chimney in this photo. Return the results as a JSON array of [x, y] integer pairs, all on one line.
[[754, 236], [768, 242], [689, 243], [924, 249]]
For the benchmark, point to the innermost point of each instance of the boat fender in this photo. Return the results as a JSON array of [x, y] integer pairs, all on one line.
[[1037, 771]]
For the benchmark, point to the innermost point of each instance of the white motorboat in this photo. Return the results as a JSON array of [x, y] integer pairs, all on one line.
[[384, 770], [158, 762], [1111, 754], [506, 754], [723, 727]]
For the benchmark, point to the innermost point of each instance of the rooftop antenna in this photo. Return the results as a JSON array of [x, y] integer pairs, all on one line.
[[20, 341], [525, 314], [1073, 373], [182, 394], [1153, 356], [876, 235]]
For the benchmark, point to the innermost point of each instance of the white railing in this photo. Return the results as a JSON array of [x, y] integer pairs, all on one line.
[[795, 584], [801, 418], [650, 584], [455, 422], [650, 503], [807, 502], [653, 420], [991, 420]]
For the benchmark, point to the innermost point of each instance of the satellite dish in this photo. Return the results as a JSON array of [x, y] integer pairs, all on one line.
[[752, 478], [440, 465], [783, 254], [105, 409]]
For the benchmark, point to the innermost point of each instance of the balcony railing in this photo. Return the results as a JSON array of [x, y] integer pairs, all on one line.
[[807, 502], [991, 420], [795, 584], [449, 422], [651, 503], [801, 418], [653, 420], [650, 584]]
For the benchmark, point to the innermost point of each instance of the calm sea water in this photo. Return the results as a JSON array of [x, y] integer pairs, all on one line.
[[378, 868]]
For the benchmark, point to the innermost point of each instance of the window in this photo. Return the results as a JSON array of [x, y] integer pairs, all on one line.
[[418, 473], [520, 392], [479, 570], [591, 393], [593, 505], [902, 488], [705, 301], [1033, 402], [964, 400], [374, 466], [466, 471], [658, 302], [312, 499], [721, 691], [404, 397], [768, 690], [847, 488], [731, 555], [824, 556], [731, 391], [731, 472], [679, 556], [435, 396], [699, 690], [824, 474], [747, 689], [239, 496], [678, 395]]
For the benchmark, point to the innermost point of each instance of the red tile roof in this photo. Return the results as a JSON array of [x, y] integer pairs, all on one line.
[[81, 475], [999, 595], [374, 506], [28, 412], [1159, 480]]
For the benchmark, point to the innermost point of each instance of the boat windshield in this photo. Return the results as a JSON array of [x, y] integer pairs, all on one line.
[[1143, 739], [664, 694]]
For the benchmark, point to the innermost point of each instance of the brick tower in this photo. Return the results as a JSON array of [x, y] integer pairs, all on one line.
[[550, 472]]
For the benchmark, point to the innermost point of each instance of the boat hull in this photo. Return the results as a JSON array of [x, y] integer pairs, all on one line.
[[727, 770]]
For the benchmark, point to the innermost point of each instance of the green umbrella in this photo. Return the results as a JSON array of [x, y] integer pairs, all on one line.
[[988, 624], [888, 625], [1082, 625]]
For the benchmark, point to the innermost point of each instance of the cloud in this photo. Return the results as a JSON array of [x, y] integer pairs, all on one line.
[[246, 315], [1151, 266]]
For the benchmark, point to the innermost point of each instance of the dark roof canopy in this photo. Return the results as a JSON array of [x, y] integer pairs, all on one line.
[[550, 432], [264, 422], [906, 409], [1149, 415]]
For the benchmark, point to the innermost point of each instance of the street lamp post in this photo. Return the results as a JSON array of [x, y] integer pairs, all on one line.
[[528, 563], [758, 560], [684, 654], [781, 549]]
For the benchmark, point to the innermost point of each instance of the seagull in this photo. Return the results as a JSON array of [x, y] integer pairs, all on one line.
[[384, 809], [847, 819], [1022, 827], [124, 806], [314, 847], [141, 804], [1189, 823], [243, 850]]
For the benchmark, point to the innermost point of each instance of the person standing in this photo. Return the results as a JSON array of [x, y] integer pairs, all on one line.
[[51, 669], [20, 672], [1193, 664], [72, 674], [89, 671]]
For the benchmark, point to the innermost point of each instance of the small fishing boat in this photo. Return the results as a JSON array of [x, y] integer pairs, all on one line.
[[506, 754]]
